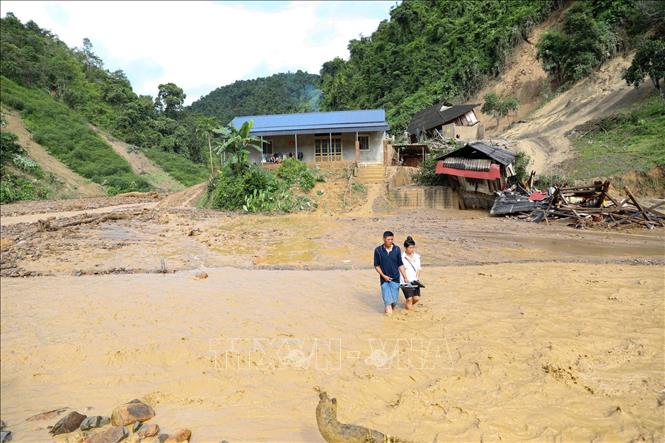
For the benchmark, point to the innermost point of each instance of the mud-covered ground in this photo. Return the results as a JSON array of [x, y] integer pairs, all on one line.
[[142, 238], [525, 332]]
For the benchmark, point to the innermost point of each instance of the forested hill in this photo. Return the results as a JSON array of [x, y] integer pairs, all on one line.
[[59, 91], [428, 51], [276, 94], [435, 50]]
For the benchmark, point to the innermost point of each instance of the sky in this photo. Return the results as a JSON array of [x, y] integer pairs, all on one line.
[[203, 45]]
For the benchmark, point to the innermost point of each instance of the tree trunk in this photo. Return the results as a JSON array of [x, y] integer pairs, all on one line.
[[212, 170]]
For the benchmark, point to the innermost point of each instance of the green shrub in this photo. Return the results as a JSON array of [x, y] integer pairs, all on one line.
[[8, 147], [14, 188], [591, 33], [521, 164], [179, 167], [255, 190], [294, 171], [426, 175], [358, 187], [230, 190]]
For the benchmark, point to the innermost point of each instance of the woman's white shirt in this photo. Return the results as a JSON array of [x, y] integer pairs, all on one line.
[[411, 265]]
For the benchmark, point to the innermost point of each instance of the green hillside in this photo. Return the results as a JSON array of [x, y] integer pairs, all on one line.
[[428, 51], [630, 140], [67, 136], [41, 72], [435, 50], [276, 94]]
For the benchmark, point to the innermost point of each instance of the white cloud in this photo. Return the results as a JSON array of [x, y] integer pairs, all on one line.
[[201, 45]]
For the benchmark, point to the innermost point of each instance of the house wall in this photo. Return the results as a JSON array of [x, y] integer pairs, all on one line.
[[286, 144]]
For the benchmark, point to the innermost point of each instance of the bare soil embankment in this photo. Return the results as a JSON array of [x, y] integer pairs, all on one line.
[[68, 183], [541, 124], [141, 165]]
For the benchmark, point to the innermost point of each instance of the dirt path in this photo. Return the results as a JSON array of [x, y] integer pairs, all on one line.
[[186, 198], [73, 185], [141, 164], [32, 218], [543, 135]]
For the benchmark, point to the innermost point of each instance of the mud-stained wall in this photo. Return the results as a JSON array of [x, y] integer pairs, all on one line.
[[433, 197]]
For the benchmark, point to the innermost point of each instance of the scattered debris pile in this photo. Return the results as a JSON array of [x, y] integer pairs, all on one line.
[[127, 423], [581, 205]]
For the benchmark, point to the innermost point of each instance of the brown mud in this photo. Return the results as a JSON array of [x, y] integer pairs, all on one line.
[[525, 332]]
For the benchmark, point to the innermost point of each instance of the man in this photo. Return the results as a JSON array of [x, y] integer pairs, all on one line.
[[388, 263]]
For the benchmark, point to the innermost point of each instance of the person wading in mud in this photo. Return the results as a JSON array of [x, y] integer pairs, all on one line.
[[411, 260], [388, 263]]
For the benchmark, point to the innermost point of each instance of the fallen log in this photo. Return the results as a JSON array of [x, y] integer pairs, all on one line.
[[335, 432]]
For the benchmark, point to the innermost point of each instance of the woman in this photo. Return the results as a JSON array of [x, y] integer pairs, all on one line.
[[411, 262]]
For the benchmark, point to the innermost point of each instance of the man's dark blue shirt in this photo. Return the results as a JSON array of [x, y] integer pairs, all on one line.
[[390, 262]]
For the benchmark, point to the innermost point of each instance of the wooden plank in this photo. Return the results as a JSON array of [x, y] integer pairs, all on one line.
[[632, 197]]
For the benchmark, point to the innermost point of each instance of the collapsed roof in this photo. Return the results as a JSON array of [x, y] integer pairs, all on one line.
[[479, 150], [437, 115]]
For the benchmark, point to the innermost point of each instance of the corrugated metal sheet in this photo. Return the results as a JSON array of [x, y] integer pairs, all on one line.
[[471, 164], [482, 150], [312, 122]]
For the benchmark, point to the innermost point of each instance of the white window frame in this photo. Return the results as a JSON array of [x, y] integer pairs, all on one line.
[[369, 147]]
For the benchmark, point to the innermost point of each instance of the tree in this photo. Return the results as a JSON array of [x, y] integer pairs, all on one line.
[[204, 127], [499, 106], [170, 99], [236, 142], [649, 60]]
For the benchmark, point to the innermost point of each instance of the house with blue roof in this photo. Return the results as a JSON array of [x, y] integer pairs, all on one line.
[[320, 137]]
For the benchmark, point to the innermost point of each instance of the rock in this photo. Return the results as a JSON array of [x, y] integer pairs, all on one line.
[[68, 423], [46, 415], [111, 435], [96, 421], [148, 431], [202, 275], [3, 425], [179, 436], [131, 412], [5, 436]]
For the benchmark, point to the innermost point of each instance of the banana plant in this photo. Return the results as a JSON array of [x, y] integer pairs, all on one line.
[[236, 143]]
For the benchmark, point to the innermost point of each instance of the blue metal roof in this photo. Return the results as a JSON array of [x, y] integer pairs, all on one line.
[[313, 122]]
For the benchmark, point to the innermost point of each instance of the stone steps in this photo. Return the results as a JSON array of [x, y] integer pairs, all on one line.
[[369, 174]]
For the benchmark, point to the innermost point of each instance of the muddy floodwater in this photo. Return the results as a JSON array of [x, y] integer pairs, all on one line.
[[525, 332]]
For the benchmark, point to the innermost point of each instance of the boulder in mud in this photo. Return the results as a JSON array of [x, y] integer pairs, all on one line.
[[47, 415], [95, 421], [148, 431], [68, 423], [202, 275], [131, 412], [179, 436], [115, 434]]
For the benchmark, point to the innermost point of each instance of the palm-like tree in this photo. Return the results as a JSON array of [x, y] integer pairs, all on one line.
[[236, 143]]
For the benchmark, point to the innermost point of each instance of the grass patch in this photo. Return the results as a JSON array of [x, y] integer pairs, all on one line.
[[66, 136], [632, 140], [182, 169]]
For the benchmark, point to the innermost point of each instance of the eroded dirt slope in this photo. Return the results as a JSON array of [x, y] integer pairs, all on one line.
[[141, 165], [70, 183], [540, 125]]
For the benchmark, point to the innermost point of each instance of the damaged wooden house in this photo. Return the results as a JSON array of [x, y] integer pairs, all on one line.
[[476, 171], [457, 122]]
